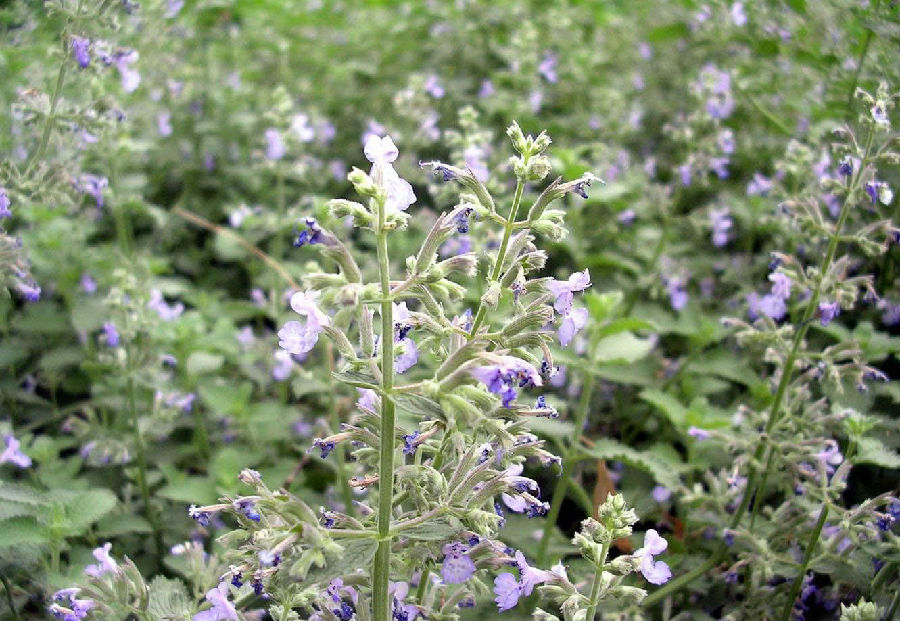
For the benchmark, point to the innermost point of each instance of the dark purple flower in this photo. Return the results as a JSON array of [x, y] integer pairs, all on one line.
[[828, 311], [505, 376], [81, 51], [110, 334], [311, 235], [409, 443]]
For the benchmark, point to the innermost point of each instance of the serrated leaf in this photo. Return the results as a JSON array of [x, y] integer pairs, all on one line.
[[435, 530], [417, 404], [169, 600], [873, 451], [355, 378], [602, 305], [21, 531], [358, 553], [668, 405], [626, 324], [83, 508], [22, 494], [664, 472], [122, 524]]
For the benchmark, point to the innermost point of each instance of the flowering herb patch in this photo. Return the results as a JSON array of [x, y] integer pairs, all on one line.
[[307, 317]]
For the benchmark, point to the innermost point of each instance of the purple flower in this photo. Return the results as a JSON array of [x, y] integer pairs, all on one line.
[[475, 158], [166, 312], [626, 218], [368, 399], [547, 68], [88, 284], [74, 609], [781, 285], [661, 494], [508, 590], [105, 563], [456, 245], [274, 144], [697, 432], [110, 334], [173, 7], [248, 508], [563, 290], [284, 365], [299, 338], [486, 89], [130, 77], [433, 86], [845, 168], [719, 165], [721, 222], [81, 51], [29, 290], [312, 234], [770, 305], [879, 191], [408, 357], [760, 185], [530, 576], [571, 323], [4, 204], [222, 609], [505, 376], [457, 566], [164, 124], [879, 114], [382, 152], [684, 172], [655, 572], [890, 313], [12, 454], [678, 297], [737, 14], [830, 456], [93, 185], [198, 515], [725, 140], [715, 85], [828, 311]]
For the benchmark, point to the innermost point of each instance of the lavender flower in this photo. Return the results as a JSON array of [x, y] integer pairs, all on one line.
[[93, 185], [486, 89], [571, 323], [698, 433], [5, 212], [547, 68], [299, 338], [678, 297], [475, 158], [738, 17], [879, 191], [505, 376], [457, 566], [173, 7], [81, 51], [166, 312], [657, 572], [508, 590], [164, 124], [74, 609], [274, 144], [131, 78], [88, 284], [721, 222], [408, 357], [105, 563], [110, 334], [563, 290], [12, 454], [284, 365], [828, 311], [760, 185], [222, 609], [433, 86], [716, 86]]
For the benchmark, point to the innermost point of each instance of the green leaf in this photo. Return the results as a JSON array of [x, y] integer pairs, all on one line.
[[602, 305], [873, 451], [435, 530], [190, 490], [202, 362], [551, 427], [22, 530], [357, 554], [663, 471], [355, 378], [669, 405], [122, 524], [417, 404], [82, 508], [627, 324], [169, 600], [621, 348]]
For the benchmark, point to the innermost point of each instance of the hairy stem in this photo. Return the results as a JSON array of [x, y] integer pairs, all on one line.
[[595, 586], [140, 454], [810, 547], [501, 253], [382, 563], [559, 492]]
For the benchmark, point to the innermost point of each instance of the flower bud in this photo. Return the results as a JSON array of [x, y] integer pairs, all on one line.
[[491, 297], [517, 137], [363, 183]]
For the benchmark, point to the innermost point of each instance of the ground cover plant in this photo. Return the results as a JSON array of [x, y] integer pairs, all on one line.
[[466, 310]]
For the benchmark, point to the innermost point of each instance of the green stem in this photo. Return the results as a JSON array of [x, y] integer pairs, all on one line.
[[892, 611], [752, 489], [859, 63], [810, 547], [559, 492], [51, 115], [9, 597], [423, 585], [142, 467], [382, 564], [788, 370], [595, 587], [501, 253]]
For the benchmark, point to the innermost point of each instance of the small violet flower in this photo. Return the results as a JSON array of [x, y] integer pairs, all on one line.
[[457, 567], [81, 51], [299, 338], [657, 572], [504, 377], [5, 211], [12, 454], [105, 563], [222, 609], [110, 334], [382, 152]]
